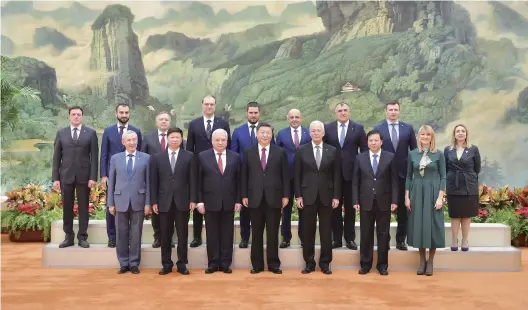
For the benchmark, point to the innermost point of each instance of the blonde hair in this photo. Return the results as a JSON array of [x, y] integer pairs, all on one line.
[[428, 129], [453, 138]]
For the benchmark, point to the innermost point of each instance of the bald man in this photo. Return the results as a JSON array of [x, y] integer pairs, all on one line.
[[198, 140], [291, 138]]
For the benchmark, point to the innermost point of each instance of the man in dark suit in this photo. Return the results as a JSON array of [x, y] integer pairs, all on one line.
[[318, 189], [349, 137], [111, 145], [156, 142], [243, 138], [375, 195], [75, 154], [199, 140], [265, 188], [398, 138], [290, 139], [173, 196], [219, 199]]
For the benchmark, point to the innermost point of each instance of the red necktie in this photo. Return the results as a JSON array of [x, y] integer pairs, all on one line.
[[163, 142], [220, 164], [263, 158], [296, 138]]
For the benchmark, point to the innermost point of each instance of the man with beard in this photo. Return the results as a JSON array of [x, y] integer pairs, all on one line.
[[245, 137], [111, 145]]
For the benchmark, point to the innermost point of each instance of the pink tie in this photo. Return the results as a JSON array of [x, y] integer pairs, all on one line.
[[296, 138], [263, 159]]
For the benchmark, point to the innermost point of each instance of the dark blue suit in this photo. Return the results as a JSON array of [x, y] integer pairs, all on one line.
[[111, 145], [285, 140], [240, 141], [406, 143], [197, 142]]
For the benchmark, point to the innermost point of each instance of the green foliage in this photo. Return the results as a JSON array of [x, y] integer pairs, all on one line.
[[114, 11], [17, 223]]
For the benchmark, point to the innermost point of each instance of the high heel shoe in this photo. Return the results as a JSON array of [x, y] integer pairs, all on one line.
[[455, 248], [429, 269], [465, 249], [421, 269]]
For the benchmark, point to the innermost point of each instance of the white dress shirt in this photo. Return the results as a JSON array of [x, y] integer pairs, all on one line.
[[78, 130], [389, 124], [166, 138], [249, 127], [260, 151], [315, 150], [124, 129], [339, 129], [175, 155], [372, 158], [133, 158], [224, 159], [205, 119], [299, 134]]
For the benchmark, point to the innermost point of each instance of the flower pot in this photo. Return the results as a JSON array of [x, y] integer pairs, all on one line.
[[520, 241], [28, 236]]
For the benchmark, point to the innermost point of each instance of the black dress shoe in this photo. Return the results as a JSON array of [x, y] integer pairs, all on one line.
[[196, 243], [111, 243], [275, 270], [284, 244], [336, 244], [256, 270], [156, 243], [66, 243], [243, 244], [227, 270], [351, 245], [165, 271], [84, 244], [401, 246], [307, 270], [383, 272], [363, 271], [123, 269], [184, 271], [211, 270], [134, 269]]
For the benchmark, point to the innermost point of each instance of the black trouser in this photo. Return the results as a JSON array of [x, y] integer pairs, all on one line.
[[287, 219], [219, 235], [265, 217], [68, 192], [168, 220], [401, 212], [310, 213], [156, 225], [350, 216], [197, 224], [382, 221], [245, 223]]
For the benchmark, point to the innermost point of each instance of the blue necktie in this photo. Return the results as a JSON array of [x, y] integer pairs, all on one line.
[[375, 163], [253, 139], [129, 165], [342, 138]]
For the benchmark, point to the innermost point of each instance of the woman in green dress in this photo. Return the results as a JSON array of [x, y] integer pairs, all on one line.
[[424, 192]]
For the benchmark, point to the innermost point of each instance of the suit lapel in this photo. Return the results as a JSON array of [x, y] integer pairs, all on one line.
[[138, 158], [201, 129], [213, 158], [270, 155], [166, 161], [311, 157], [155, 139], [324, 157], [382, 162], [179, 160], [349, 133], [385, 132]]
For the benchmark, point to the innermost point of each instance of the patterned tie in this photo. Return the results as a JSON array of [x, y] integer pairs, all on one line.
[[208, 129], [162, 142], [253, 139], [75, 135], [318, 156], [342, 138], [394, 137], [129, 165], [296, 138], [375, 163], [263, 159], [220, 163], [173, 161], [121, 128]]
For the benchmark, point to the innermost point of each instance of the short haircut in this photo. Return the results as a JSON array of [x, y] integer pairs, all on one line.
[[163, 112], [121, 104], [374, 132], [220, 131], [340, 105], [252, 104], [208, 96], [317, 123], [173, 130], [76, 107], [393, 102], [129, 133], [264, 124]]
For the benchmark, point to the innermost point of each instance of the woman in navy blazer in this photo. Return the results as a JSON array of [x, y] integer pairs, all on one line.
[[463, 166]]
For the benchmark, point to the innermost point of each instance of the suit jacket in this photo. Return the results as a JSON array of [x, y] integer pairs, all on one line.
[[241, 139], [355, 142], [383, 185], [111, 145], [272, 184], [285, 140], [75, 161], [310, 181], [197, 140], [151, 144], [462, 175], [406, 143], [214, 189], [167, 186], [125, 190]]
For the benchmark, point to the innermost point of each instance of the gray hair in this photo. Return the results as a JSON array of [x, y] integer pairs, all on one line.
[[220, 131], [317, 123], [129, 133], [341, 105]]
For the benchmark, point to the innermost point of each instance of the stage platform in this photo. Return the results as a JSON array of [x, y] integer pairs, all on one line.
[[490, 250]]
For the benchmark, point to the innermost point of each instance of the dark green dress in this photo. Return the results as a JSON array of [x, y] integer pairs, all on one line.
[[425, 224]]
